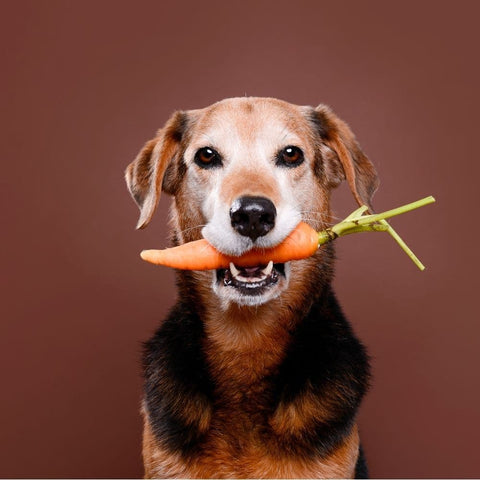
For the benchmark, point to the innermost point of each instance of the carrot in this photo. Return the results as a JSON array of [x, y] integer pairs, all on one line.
[[200, 255], [302, 242]]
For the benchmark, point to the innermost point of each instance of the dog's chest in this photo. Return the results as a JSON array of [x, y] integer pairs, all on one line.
[[226, 455], [244, 396], [240, 441]]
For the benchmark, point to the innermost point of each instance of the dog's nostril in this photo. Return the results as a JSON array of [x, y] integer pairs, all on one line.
[[240, 219], [267, 218], [253, 216]]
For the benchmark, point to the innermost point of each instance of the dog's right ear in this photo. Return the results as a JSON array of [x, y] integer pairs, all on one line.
[[144, 176], [356, 167]]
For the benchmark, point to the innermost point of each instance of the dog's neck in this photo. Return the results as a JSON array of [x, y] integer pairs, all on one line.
[[245, 339]]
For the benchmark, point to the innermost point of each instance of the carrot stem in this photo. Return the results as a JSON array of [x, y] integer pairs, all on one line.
[[356, 222], [403, 245]]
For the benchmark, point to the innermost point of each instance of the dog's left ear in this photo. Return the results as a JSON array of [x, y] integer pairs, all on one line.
[[145, 175], [357, 169]]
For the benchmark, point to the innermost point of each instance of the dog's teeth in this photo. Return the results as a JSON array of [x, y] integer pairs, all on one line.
[[234, 270], [268, 269], [261, 275]]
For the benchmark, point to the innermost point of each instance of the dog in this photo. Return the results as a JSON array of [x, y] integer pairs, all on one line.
[[255, 372]]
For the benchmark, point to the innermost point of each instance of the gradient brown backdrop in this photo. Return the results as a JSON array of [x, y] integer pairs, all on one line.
[[85, 83]]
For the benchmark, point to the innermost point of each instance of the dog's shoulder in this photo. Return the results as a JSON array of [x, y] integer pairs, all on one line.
[[324, 347], [177, 387], [322, 380]]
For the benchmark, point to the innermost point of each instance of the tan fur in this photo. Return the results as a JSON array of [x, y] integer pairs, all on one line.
[[293, 418], [256, 461], [224, 459], [158, 461], [247, 181]]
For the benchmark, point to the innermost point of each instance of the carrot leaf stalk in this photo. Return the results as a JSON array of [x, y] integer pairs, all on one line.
[[357, 222], [301, 243]]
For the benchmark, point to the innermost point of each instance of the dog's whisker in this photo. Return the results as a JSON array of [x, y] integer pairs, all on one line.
[[284, 133], [316, 212], [209, 138], [187, 230], [319, 215]]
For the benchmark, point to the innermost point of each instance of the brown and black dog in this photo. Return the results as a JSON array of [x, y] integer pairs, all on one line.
[[255, 373]]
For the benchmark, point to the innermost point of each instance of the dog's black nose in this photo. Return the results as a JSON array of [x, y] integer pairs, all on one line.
[[253, 216]]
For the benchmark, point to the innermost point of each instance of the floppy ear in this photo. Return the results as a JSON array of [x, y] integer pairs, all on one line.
[[144, 176], [357, 169]]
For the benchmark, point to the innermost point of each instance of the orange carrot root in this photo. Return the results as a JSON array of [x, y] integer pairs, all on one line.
[[200, 255]]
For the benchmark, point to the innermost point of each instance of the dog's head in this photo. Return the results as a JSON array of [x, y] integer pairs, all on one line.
[[243, 173]]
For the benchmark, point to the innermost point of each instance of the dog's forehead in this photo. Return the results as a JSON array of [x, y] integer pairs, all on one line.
[[251, 121]]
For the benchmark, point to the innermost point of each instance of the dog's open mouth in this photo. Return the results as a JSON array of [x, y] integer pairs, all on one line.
[[251, 280]]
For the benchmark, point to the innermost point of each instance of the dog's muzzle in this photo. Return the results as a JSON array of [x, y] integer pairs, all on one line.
[[252, 218]]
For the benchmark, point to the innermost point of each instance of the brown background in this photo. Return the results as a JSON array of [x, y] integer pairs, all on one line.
[[85, 83]]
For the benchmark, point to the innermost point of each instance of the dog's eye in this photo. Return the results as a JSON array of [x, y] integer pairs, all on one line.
[[290, 157], [207, 157]]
